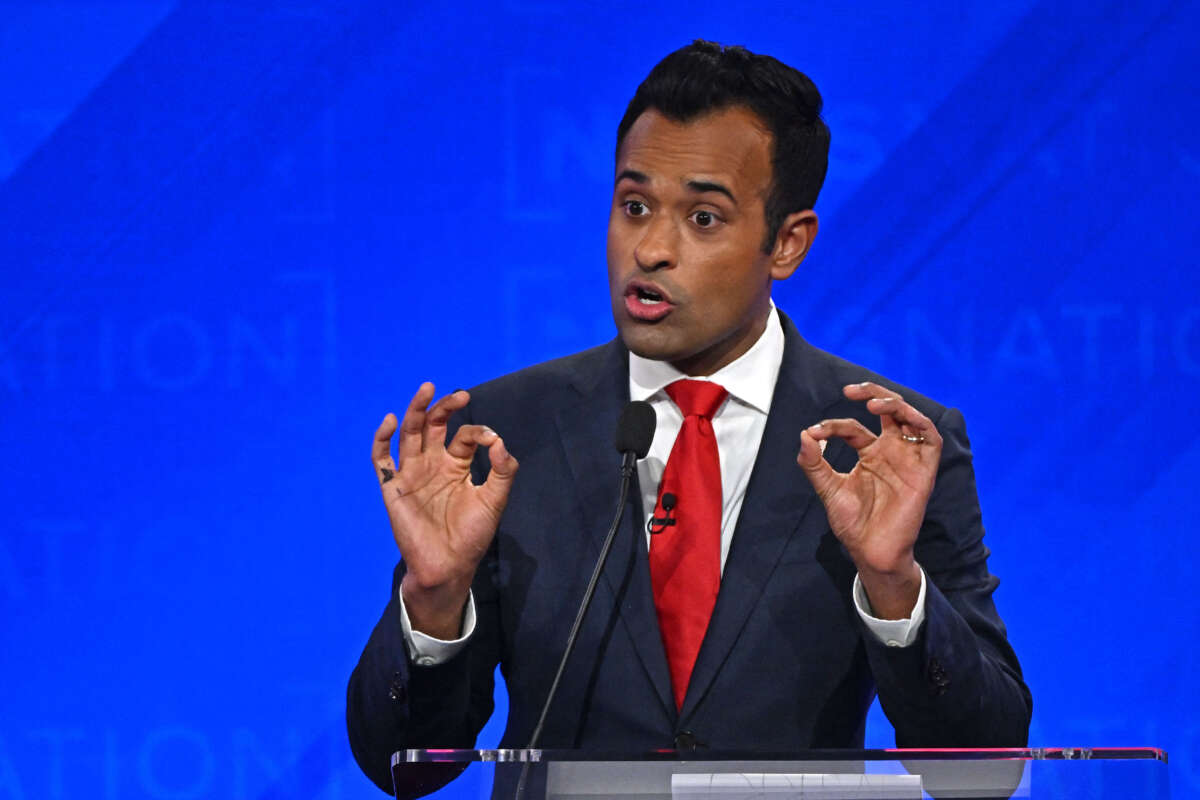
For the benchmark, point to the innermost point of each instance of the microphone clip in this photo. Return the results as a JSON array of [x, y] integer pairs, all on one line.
[[660, 524]]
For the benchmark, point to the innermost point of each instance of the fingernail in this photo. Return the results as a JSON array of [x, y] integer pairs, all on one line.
[[865, 384], [816, 427]]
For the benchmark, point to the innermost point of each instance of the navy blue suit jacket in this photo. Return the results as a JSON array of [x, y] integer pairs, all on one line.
[[786, 663]]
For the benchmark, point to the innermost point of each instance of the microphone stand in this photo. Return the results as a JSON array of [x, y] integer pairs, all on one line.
[[628, 460]]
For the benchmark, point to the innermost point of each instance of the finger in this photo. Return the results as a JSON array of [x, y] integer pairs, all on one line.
[[436, 418], [500, 477], [899, 417], [413, 424], [853, 432], [878, 399], [381, 448], [866, 390], [823, 477], [467, 438]]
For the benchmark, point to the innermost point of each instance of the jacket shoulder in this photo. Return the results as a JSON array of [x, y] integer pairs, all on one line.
[[848, 372], [824, 374], [530, 396]]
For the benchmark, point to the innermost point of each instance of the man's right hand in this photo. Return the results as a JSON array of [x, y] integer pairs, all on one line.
[[442, 522]]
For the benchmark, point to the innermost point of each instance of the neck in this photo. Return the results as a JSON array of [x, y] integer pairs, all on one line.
[[723, 353]]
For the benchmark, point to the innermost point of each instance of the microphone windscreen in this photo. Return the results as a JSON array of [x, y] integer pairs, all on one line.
[[635, 429]]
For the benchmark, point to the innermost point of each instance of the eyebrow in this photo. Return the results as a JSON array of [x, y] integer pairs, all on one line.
[[711, 186], [695, 186], [633, 175]]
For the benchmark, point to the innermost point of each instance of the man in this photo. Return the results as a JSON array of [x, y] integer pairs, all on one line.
[[784, 597]]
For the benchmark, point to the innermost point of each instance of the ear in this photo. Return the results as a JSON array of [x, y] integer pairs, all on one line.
[[795, 237]]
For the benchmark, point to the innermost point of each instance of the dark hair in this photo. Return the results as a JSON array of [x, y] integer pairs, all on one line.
[[704, 77]]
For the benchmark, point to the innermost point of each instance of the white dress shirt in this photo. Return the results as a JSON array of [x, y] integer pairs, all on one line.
[[738, 425]]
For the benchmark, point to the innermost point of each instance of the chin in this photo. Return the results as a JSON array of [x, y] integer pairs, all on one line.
[[648, 343]]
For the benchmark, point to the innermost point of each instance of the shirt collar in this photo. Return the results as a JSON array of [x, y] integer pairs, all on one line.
[[750, 378]]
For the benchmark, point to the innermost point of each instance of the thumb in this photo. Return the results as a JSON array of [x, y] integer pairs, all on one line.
[[821, 475], [500, 476]]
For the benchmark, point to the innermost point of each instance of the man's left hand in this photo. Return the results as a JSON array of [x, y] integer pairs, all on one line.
[[876, 509]]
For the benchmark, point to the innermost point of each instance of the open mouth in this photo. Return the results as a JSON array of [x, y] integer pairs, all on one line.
[[647, 297], [645, 293], [647, 303]]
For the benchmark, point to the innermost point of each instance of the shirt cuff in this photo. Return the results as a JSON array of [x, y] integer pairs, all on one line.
[[426, 651], [892, 632]]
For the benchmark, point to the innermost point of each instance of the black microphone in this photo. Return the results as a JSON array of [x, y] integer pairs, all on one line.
[[635, 432]]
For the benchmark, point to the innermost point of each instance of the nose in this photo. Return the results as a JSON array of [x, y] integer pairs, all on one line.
[[657, 248]]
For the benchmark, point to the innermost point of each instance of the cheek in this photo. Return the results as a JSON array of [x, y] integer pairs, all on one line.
[[731, 284], [718, 268]]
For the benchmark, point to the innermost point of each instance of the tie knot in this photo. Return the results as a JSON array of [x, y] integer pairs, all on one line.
[[697, 398]]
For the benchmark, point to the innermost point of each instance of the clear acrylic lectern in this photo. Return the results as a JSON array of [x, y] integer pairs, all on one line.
[[1066, 773]]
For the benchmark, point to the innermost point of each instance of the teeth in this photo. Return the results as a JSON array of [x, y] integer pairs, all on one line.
[[647, 300]]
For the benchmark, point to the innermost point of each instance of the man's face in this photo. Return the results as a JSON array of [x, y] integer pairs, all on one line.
[[689, 281]]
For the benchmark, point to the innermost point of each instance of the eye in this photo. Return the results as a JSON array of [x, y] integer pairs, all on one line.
[[636, 208], [705, 219]]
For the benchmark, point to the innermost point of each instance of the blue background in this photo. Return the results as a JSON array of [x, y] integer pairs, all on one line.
[[234, 235]]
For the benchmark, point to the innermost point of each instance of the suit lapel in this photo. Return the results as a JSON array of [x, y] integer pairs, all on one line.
[[586, 429], [779, 504]]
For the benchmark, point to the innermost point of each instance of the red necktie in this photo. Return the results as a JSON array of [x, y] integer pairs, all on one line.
[[685, 559]]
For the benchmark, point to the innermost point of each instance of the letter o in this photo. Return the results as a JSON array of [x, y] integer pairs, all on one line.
[[184, 328], [187, 754]]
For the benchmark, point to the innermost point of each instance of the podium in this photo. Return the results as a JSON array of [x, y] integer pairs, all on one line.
[[1041, 773]]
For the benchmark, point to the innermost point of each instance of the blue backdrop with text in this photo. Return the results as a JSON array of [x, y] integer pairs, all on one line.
[[234, 235]]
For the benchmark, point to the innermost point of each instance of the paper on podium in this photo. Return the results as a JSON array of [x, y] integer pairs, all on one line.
[[796, 786]]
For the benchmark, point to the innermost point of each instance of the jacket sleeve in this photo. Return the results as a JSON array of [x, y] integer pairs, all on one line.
[[394, 704], [959, 684]]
